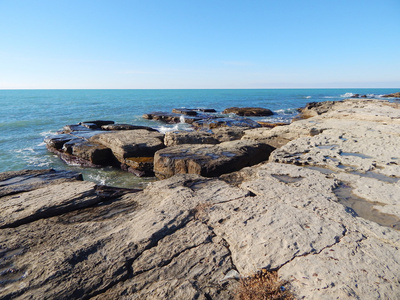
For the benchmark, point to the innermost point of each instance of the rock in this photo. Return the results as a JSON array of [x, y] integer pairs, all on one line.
[[74, 127], [112, 127], [394, 95], [97, 123], [144, 165], [70, 197], [206, 110], [131, 143], [57, 141], [185, 111], [173, 138], [96, 154], [170, 117], [316, 108], [23, 181], [249, 111], [226, 134], [271, 124], [225, 122], [87, 258], [215, 136], [191, 237], [209, 160]]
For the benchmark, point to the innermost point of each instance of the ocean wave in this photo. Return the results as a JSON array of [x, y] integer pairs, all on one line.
[[28, 149], [97, 179], [288, 111], [347, 95], [165, 129], [48, 133]]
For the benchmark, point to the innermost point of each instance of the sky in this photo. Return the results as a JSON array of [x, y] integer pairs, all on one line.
[[160, 44]]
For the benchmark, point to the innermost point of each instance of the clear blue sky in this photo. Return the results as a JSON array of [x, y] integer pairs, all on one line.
[[199, 44]]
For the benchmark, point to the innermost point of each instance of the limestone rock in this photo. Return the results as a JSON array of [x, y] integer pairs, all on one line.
[[394, 95], [215, 136], [225, 122], [112, 127], [249, 111], [22, 181], [173, 138], [209, 160], [131, 143], [96, 154]]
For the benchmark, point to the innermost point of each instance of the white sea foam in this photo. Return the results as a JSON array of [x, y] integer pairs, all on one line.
[[288, 111], [29, 149], [164, 129], [97, 179], [347, 95], [48, 133], [182, 119], [308, 97]]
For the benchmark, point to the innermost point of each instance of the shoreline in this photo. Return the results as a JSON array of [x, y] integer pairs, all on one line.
[[191, 236]]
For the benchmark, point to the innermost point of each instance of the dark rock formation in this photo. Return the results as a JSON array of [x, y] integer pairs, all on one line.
[[249, 111], [394, 95]]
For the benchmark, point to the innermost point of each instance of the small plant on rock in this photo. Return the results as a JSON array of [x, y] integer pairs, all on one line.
[[265, 285]]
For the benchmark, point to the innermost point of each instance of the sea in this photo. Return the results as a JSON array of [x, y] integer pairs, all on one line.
[[28, 116]]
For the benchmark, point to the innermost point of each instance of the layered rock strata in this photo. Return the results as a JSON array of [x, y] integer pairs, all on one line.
[[191, 237]]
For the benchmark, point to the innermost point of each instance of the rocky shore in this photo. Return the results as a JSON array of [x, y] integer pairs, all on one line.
[[317, 202]]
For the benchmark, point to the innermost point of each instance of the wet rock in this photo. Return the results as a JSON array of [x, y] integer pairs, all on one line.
[[170, 117], [209, 160], [113, 127], [394, 95], [249, 111], [97, 123], [185, 111], [57, 141]]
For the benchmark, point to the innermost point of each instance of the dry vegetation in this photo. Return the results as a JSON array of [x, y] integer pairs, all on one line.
[[264, 285]]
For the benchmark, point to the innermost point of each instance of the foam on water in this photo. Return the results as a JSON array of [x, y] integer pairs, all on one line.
[[27, 116]]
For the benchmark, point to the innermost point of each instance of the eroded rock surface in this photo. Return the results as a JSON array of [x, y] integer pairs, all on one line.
[[191, 237], [209, 160]]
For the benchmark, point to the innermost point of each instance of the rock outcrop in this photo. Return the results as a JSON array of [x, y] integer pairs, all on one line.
[[209, 160], [249, 111], [323, 213]]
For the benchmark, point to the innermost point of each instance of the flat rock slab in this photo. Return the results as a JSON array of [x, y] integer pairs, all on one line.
[[43, 202], [215, 136], [22, 181], [209, 160], [226, 122], [249, 111], [112, 127], [131, 143]]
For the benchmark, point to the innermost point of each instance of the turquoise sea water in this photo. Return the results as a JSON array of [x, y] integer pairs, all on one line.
[[28, 116]]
